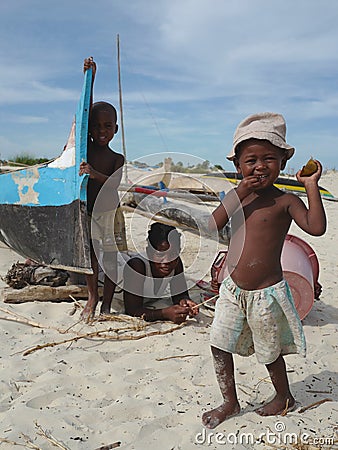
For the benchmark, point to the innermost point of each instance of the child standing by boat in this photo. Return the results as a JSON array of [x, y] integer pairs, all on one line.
[[255, 312], [103, 165]]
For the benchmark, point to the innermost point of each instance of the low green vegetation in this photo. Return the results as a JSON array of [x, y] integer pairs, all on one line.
[[26, 159], [179, 167], [198, 168]]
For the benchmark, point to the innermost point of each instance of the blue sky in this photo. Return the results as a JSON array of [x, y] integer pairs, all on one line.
[[191, 71]]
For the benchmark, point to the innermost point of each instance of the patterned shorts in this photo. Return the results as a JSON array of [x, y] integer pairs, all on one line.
[[263, 321], [109, 229]]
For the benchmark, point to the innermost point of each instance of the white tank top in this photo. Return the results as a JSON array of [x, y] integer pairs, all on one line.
[[149, 290]]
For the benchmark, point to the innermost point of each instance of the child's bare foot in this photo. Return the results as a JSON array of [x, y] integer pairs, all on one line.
[[105, 310], [277, 406], [89, 310], [213, 418]]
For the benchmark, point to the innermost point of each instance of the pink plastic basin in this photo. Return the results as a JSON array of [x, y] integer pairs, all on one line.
[[301, 270]]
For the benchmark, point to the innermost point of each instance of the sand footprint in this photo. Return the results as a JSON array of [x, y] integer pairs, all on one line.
[[45, 399]]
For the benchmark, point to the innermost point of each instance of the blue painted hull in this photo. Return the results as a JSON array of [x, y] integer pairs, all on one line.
[[43, 209]]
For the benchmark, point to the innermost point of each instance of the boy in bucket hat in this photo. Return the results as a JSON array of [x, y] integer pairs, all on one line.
[[263, 126], [255, 312]]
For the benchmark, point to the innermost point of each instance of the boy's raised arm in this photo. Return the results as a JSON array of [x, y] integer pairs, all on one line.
[[312, 219], [87, 64]]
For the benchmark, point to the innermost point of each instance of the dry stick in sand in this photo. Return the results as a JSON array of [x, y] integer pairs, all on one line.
[[100, 334], [77, 303], [24, 321], [315, 404], [318, 392], [20, 319], [175, 356], [109, 446], [17, 318], [49, 437], [285, 411], [28, 443], [35, 324], [262, 380], [205, 301]]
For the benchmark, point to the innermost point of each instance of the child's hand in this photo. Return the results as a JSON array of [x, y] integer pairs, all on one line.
[[176, 313], [86, 168], [89, 63], [249, 184], [310, 178], [193, 308]]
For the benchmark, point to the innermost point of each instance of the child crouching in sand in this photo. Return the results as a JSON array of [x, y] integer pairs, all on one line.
[[255, 312], [149, 278]]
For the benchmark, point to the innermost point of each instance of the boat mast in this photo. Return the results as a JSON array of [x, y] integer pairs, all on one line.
[[121, 111]]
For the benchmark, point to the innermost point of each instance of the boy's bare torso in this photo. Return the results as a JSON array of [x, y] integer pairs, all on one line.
[[105, 161], [254, 263]]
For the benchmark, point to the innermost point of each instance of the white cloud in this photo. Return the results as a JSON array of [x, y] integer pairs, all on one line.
[[35, 92], [196, 67], [28, 119]]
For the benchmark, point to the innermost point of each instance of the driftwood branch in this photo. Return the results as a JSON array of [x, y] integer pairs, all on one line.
[[42, 293]]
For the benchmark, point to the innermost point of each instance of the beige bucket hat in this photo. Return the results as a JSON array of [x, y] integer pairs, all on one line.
[[267, 126]]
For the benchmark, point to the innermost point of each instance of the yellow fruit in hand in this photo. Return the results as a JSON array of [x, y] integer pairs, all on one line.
[[309, 169]]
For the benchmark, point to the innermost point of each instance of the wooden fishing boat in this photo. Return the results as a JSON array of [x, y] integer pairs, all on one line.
[[209, 184], [177, 211], [285, 184], [43, 213]]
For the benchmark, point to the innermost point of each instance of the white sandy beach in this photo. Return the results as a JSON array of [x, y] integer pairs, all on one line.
[[149, 393]]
